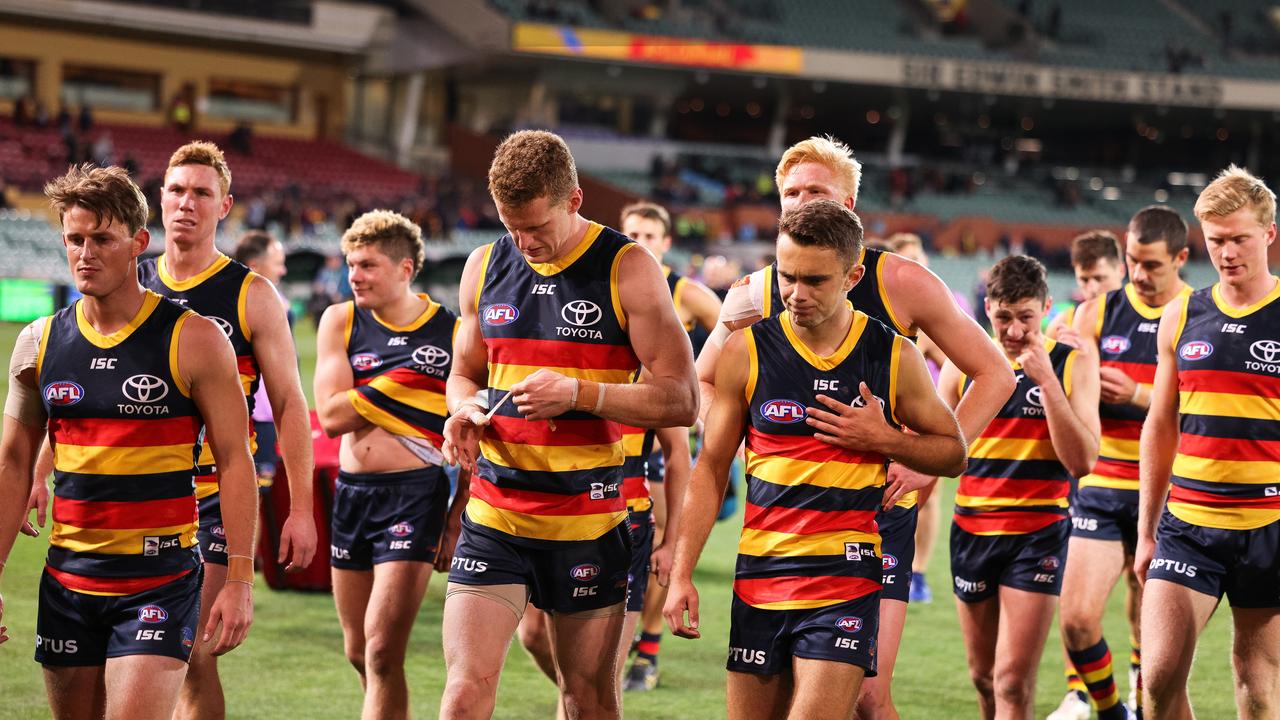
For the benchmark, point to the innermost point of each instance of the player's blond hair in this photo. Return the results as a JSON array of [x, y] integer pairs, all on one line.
[[531, 164], [107, 192], [829, 152], [394, 235], [1233, 189], [201, 152]]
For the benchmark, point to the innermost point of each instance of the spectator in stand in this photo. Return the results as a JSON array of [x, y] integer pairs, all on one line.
[[23, 110], [86, 118], [241, 138]]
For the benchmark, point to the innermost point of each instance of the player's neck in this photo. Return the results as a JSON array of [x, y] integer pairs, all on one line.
[[826, 338], [1165, 297], [185, 262], [579, 233], [1249, 292], [403, 310], [108, 313]]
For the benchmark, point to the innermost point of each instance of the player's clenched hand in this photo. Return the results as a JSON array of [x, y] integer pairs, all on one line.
[[1115, 386], [682, 597], [39, 501], [543, 395], [462, 433], [1035, 363], [1142, 555], [854, 427], [298, 538], [902, 480], [233, 609]]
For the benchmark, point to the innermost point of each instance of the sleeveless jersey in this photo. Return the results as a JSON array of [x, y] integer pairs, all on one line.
[[1227, 470], [220, 292], [1015, 483], [1126, 331], [535, 483], [809, 534], [125, 434], [400, 370]]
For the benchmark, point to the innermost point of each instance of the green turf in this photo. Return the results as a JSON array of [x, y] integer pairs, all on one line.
[[293, 666]]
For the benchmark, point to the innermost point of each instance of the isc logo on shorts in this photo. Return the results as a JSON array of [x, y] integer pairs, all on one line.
[[152, 614], [782, 411], [585, 572]]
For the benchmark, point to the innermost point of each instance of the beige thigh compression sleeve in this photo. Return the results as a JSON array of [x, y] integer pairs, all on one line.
[[514, 597], [603, 612]]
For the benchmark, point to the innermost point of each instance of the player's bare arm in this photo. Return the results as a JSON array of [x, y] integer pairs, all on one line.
[[738, 310], [333, 376], [1074, 427], [723, 432], [39, 500], [208, 365], [18, 450], [277, 360], [1159, 443], [675, 449], [468, 375], [667, 396], [701, 303]]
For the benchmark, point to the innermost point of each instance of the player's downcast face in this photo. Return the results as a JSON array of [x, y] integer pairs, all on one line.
[[539, 228], [192, 203], [1016, 324], [810, 181], [1152, 270], [1237, 244], [375, 277], [99, 254], [812, 281], [1098, 278]]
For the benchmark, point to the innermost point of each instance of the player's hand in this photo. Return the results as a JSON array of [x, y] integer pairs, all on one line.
[[543, 395], [1069, 336], [739, 323], [682, 597], [233, 609], [298, 537], [853, 427], [902, 480], [39, 501], [448, 541], [661, 560], [1035, 363], [1115, 386], [1143, 552], [462, 433]]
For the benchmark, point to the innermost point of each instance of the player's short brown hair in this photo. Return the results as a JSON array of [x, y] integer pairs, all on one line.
[[648, 211], [202, 152], [395, 236], [825, 223], [531, 164], [1088, 248], [107, 192], [826, 151], [899, 242], [1156, 223], [1016, 278], [252, 245], [1233, 189]]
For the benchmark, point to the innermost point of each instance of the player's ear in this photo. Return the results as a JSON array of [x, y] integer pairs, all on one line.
[[141, 240], [574, 203], [855, 275], [227, 202]]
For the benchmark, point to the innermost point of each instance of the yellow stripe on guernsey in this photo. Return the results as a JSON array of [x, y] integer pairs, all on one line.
[[789, 472], [543, 527], [996, 503], [551, 458], [426, 400], [1235, 472], [767, 543], [386, 420], [1227, 518], [97, 460], [632, 444], [116, 542], [1252, 407], [503, 376], [998, 448]]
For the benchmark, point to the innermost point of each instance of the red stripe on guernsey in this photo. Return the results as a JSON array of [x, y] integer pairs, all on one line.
[[210, 478], [634, 488], [124, 432], [1139, 372], [1122, 429], [408, 377], [568, 433], [561, 353], [125, 515], [1022, 488], [1180, 494], [1122, 469], [530, 502], [806, 447], [1226, 381], [1229, 449], [796, 521], [759, 591], [247, 365], [1012, 523], [115, 586], [1022, 428]]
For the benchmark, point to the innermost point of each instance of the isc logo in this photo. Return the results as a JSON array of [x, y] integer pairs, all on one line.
[[849, 624], [1195, 350], [500, 314], [783, 411], [149, 634], [585, 572], [152, 614], [585, 591], [1114, 344], [365, 361], [63, 392]]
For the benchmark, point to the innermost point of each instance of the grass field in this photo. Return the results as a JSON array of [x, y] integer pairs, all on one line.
[[292, 666]]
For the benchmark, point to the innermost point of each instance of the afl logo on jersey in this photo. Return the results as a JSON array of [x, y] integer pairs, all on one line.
[[1115, 344], [223, 324], [849, 624], [581, 313], [63, 392], [1195, 350], [500, 314], [145, 388], [431, 355], [365, 361], [783, 411]]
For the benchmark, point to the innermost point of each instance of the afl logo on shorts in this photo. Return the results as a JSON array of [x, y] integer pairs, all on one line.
[[888, 562], [585, 572], [1114, 344], [1195, 350], [785, 412], [63, 392], [145, 388], [365, 361], [1049, 563], [401, 529], [849, 624], [500, 314], [152, 614]]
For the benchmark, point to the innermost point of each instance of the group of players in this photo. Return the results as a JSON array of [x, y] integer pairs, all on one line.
[[568, 361]]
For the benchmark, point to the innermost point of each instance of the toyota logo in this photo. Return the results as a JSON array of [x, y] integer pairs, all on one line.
[[1035, 396], [226, 326], [1267, 351], [430, 355], [582, 313], [145, 388]]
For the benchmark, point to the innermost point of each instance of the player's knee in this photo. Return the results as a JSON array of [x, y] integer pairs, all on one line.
[[1015, 689], [382, 658], [533, 636], [467, 697], [983, 683], [589, 696], [1078, 632]]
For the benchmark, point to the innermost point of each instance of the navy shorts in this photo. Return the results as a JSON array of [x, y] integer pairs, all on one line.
[[641, 526], [897, 550], [1242, 564], [562, 576], [980, 564], [211, 536], [384, 517], [763, 642], [78, 629], [1100, 513]]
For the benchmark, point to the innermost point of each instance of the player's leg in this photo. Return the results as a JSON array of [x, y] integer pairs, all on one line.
[[1173, 616], [979, 623], [1133, 613], [898, 550], [642, 541], [758, 697], [1255, 657], [351, 590], [1025, 618], [875, 701], [76, 693], [201, 697], [535, 636], [824, 689], [72, 647], [1093, 567], [586, 648], [143, 687], [929, 515], [396, 596], [479, 621], [351, 567], [630, 621]]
